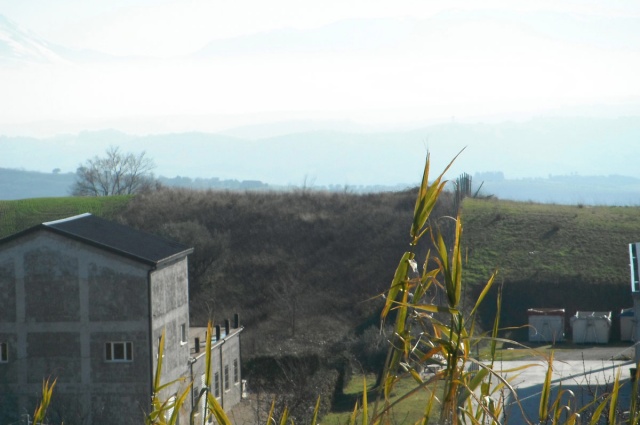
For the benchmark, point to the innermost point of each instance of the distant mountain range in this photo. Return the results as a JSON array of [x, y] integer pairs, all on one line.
[[568, 190], [310, 153], [522, 151]]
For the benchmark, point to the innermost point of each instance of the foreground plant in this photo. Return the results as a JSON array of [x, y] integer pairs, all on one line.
[[426, 333], [40, 413], [464, 389]]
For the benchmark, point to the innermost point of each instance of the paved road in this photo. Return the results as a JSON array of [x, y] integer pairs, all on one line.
[[583, 370]]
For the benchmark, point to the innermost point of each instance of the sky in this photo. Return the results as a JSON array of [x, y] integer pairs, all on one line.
[[161, 66]]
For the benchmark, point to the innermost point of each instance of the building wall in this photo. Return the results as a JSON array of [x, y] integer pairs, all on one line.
[[60, 302], [169, 312], [225, 353]]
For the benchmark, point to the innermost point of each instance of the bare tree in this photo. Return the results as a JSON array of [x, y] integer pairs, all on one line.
[[116, 173], [287, 293]]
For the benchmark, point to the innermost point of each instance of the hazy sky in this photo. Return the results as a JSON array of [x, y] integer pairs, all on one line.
[[154, 66], [374, 62], [166, 28]]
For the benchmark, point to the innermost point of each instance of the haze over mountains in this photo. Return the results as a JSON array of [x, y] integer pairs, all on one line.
[[600, 172], [343, 99]]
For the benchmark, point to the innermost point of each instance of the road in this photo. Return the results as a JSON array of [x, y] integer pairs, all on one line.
[[585, 371]]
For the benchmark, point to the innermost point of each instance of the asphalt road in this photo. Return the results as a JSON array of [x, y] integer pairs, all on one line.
[[584, 370]]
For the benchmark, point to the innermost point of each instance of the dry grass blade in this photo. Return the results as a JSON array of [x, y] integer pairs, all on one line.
[[399, 278], [270, 418], [285, 416], [427, 197], [365, 405], [216, 409], [314, 421], [158, 376], [483, 294], [597, 414], [354, 415], [615, 391], [41, 411], [178, 404], [543, 410]]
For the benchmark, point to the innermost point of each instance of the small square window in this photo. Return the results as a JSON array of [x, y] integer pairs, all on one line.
[[216, 385], [119, 351], [236, 374], [183, 333], [226, 377], [4, 352]]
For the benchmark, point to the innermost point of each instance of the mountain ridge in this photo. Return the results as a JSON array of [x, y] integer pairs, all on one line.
[[613, 190]]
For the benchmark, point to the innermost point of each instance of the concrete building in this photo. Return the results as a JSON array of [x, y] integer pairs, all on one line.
[[85, 301], [226, 383]]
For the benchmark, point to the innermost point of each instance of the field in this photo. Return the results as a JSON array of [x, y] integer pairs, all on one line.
[[409, 410], [22, 214]]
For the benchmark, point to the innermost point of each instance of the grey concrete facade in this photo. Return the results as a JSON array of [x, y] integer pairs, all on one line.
[[226, 369], [90, 317]]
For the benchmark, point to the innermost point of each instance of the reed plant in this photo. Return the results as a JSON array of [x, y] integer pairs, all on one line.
[[428, 332]]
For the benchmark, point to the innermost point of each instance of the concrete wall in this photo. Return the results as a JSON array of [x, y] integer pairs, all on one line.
[[224, 353], [169, 311], [60, 302]]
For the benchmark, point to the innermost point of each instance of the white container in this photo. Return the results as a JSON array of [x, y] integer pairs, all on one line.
[[546, 324], [591, 327]]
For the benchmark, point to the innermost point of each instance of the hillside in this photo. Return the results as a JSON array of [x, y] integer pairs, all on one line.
[[571, 257], [21, 184], [303, 268]]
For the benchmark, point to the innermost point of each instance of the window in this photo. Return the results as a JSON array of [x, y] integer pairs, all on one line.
[[226, 377], [216, 385], [119, 351], [183, 334], [236, 375], [4, 352]]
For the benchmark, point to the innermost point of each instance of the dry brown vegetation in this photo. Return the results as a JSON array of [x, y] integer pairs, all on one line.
[[300, 268]]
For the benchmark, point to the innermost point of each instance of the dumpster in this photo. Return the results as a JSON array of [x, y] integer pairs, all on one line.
[[591, 327], [546, 324], [627, 325]]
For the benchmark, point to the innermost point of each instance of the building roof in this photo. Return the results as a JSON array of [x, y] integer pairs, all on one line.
[[114, 237]]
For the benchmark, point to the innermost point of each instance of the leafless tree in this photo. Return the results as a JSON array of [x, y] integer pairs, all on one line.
[[287, 293], [117, 173]]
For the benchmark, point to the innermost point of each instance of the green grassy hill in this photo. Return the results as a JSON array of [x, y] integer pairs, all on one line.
[[22, 214], [571, 257]]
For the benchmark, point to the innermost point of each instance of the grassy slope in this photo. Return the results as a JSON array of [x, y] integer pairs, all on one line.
[[408, 411], [22, 214], [561, 256]]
